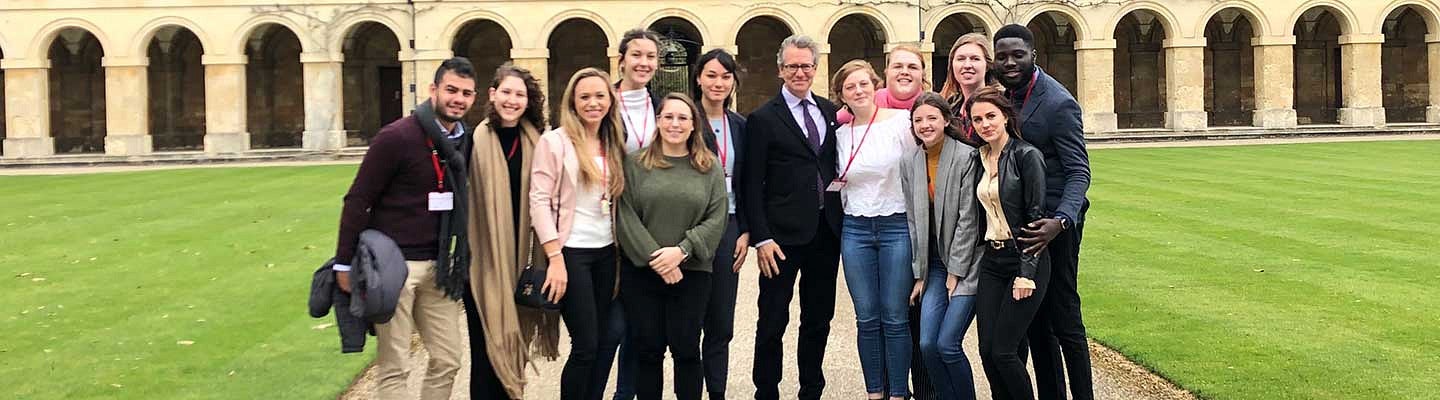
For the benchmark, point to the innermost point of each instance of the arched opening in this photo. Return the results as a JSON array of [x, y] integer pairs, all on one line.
[[487, 46], [758, 41], [1318, 95], [1055, 41], [275, 83], [177, 90], [680, 44], [1405, 66], [857, 37], [1229, 69], [77, 92], [947, 32], [1140, 56], [373, 83], [2, 105], [574, 45]]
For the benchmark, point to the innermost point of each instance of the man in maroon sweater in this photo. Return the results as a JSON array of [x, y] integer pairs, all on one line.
[[401, 190]]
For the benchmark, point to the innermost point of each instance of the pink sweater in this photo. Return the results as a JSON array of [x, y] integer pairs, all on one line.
[[884, 100]]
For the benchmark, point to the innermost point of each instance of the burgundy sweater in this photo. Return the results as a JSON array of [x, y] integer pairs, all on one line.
[[391, 194]]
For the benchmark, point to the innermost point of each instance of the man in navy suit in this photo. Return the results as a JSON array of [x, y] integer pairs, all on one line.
[[794, 222], [1050, 120]]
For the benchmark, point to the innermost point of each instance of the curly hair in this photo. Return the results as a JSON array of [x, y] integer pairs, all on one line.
[[534, 97]]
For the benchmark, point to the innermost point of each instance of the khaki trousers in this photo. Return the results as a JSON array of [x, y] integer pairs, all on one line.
[[422, 307]]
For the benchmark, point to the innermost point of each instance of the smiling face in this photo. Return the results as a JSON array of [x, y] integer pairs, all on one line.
[[452, 96], [676, 122], [509, 100], [592, 100], [928, 124], [641, 58], [988, 121], [715, 82], [968, 65], [858, 90], [797, 69], [1015, 61], [904, 74]]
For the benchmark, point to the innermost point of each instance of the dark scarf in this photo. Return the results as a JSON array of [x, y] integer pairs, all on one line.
[[451, 265]]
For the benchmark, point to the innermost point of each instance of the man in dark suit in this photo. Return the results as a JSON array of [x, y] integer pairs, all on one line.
[[794, 221], [1050, 120]]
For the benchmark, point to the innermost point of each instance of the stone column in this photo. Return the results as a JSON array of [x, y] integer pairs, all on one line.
[[324, 102], [225, 104], [1096, 80], [821, 82], [426, 62], [537, 61], [1360, 78], [1432, 49], [127, 106], [410, 82], [614, 54], [1275, 82], [1185, 84], [927, 56], [27, 108]]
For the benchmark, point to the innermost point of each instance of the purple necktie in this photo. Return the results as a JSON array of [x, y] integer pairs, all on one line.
[[811, 131]]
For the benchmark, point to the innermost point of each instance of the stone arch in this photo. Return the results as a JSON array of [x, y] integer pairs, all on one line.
[[373, 80], [1343, 15], [76, 90], [583, 43], [611, 37], [1424, 9], [1077, 19], [1318, 63], [756, 46], [682, 14], [985, 18], [141, 43], [243, 34], [1163, 14], [275, 86], [790, 23], [336, 42], [681, 42], [40, 45], [1259, 22], [869, 13], [856, 35], [465, 20], [944, 34], [1140, 101], [487, 44], [1230, 66], [1405, 63], [176, 87], [1056, 33]]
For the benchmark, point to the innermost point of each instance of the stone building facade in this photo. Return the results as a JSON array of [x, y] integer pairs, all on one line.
[[139, 77]]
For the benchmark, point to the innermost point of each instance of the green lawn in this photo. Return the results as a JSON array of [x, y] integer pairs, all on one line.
[[1270, 272], [134, 263]]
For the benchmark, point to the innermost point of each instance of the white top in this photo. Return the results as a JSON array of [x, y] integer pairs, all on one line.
[[799, 112], [872, 185], [639, 116], [591, 229], [725, 143]]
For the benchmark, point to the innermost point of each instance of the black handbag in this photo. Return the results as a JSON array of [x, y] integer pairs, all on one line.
[[527, 290]]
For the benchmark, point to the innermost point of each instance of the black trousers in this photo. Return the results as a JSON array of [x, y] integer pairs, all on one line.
[[720, 314], [661, 316], [1003, 321], [483, 382], [1058, 328], [816, 265], [585, 310]]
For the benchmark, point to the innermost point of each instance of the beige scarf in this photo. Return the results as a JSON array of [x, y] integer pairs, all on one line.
[[497, 260]]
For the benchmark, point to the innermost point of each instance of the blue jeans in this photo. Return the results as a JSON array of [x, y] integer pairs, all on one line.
[[943, 321], [876, 255]]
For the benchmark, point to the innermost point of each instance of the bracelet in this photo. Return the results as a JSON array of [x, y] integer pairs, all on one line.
[[552, 255]]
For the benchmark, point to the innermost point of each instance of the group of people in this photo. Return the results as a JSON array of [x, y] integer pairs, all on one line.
[[642, 207]]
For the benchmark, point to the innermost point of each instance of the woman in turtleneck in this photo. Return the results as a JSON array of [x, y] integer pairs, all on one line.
[[639, 59]]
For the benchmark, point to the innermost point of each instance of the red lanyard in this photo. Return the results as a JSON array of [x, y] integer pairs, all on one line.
[[435, 160], [1033, 78], [644, 123], [855, 148], [513, 145], [604, 175], [724, 138]]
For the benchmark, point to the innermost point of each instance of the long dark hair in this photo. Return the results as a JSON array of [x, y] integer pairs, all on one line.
[[727, 61], [936, 100], [534, 97], [993, 95]]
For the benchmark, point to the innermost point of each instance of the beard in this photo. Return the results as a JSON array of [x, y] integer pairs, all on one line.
[[1016, 82]]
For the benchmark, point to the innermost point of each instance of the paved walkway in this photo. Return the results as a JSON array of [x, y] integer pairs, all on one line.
[[1116, 378]]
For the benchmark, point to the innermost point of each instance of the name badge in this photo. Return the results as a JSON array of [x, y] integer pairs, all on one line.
[[729, 186], [442, 201], [835, 186]]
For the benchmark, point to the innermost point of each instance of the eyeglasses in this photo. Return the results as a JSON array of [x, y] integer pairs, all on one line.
[[668, 118], [799, 67]]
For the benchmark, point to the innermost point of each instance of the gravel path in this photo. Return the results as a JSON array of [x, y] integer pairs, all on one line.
[[1115, 377]]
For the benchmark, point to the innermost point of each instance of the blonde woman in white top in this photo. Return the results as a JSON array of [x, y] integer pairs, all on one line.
[[875, 236]]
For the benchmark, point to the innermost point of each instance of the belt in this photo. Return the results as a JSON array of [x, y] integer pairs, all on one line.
[[1000, 244]]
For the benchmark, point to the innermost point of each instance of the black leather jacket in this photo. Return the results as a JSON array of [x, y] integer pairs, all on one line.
[[1022, 194]]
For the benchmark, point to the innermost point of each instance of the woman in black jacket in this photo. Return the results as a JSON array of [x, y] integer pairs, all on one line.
[[1011, 192]]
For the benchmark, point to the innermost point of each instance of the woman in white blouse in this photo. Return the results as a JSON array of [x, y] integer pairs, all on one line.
[[875, 237]]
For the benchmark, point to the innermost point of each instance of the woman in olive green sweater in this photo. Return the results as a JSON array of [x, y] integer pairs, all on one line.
[[670, 220]]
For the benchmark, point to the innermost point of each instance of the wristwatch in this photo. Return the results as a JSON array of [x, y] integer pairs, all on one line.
[[1065, 223]]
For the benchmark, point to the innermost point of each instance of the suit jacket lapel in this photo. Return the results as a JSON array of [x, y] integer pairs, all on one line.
[[782, 111], [1032, 102]]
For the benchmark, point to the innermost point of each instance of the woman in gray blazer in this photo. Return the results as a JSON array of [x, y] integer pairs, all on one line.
[[940, 199]]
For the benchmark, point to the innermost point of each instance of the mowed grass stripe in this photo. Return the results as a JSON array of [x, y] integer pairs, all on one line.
[[1294, 331]]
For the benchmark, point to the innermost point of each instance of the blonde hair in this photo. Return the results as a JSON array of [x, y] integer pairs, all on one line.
[[612, 137], [924, 65], [952, 84], [701, 158], [837, 82]]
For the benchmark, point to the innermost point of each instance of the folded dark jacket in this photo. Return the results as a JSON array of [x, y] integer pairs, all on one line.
[[324, 295], [377, 275]]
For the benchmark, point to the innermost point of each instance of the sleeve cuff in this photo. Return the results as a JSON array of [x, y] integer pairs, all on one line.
[[341, 268], [763, 243]]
